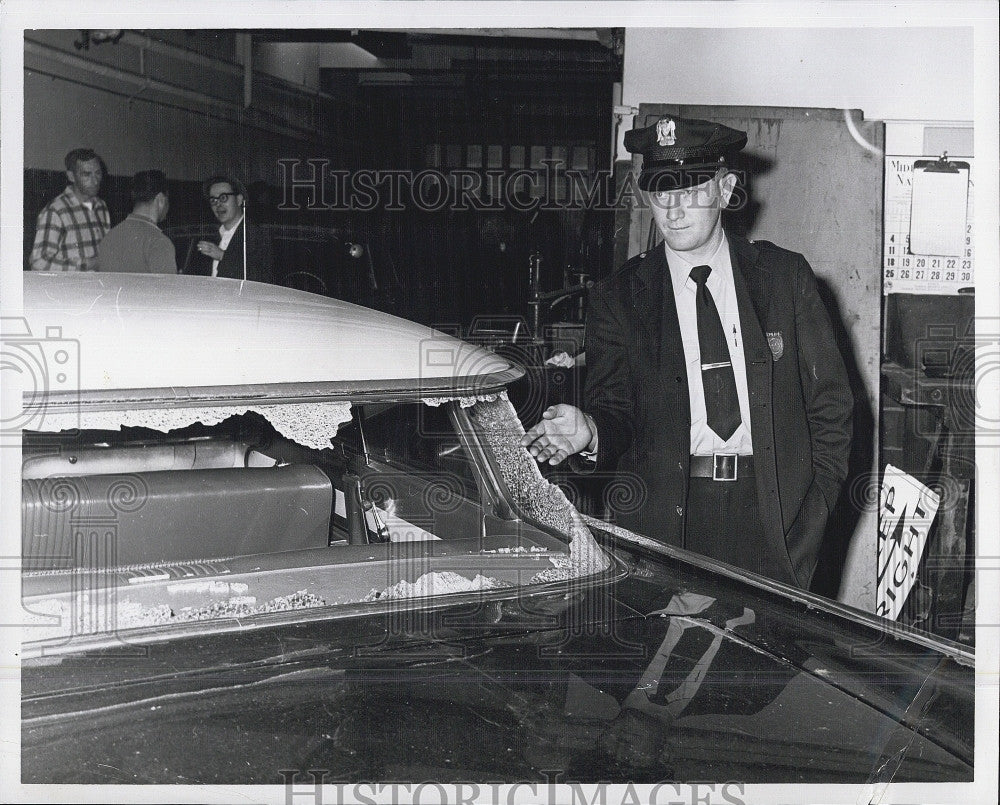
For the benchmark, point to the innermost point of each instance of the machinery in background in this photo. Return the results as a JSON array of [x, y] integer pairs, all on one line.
[[543, 303]]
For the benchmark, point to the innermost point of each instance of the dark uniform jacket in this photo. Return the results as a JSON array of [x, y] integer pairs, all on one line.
[[800, 400], [260, 257]]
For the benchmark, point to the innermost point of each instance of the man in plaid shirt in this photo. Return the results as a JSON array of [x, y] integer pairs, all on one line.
[[73, 223]]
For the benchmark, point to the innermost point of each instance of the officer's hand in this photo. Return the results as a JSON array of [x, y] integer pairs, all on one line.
[[563, 432]]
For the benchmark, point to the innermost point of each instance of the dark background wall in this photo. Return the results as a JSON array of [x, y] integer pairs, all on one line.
[[186, 102]]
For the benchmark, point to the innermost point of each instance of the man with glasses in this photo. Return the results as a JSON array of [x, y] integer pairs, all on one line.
[[71, 226], [714, 381], [231, 256]]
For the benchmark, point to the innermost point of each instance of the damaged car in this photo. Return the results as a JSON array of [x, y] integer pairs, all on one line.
[[266, 533]]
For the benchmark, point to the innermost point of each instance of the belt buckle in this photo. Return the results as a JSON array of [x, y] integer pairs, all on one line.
[[724, 466]]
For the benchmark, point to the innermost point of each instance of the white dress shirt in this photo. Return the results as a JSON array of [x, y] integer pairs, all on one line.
[[705, 441], [225, 235]]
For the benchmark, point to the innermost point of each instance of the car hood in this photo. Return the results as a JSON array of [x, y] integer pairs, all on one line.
[[670, 672]]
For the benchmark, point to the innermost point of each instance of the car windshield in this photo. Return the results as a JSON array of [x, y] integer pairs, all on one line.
[[134, 529]]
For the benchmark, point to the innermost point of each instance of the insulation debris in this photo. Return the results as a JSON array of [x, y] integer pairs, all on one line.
[[625, 534], [211, 586], [66, 617], [308, 424], [437, 583], [242, 606], [464, 402]]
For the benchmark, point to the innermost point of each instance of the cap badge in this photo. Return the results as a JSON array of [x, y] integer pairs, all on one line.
[[666, 132]]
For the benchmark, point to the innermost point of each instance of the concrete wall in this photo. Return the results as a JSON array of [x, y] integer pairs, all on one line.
[[145, 102], [138, 135], [889, 73]]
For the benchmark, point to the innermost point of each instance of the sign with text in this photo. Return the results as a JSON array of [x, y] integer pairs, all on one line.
[[905, 513]]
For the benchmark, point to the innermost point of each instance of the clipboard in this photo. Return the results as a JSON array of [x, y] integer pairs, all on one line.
[[903, 270], [939, 207]]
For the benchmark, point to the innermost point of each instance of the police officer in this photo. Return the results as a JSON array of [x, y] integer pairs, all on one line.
[[714, 380]]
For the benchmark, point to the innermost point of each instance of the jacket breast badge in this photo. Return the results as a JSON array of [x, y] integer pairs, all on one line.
[[777, 344]]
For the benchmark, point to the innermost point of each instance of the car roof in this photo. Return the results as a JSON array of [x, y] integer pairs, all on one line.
[[163, 332]]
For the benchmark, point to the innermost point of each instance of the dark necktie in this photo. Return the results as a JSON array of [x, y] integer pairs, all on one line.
[[721, 401]]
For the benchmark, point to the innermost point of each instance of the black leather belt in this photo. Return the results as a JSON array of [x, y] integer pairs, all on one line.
[[722, 466]]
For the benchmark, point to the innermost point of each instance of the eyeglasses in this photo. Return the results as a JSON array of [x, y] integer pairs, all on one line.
[[222, 198]]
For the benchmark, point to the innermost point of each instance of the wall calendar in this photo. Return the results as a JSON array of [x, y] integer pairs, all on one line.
[[928, 225]]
